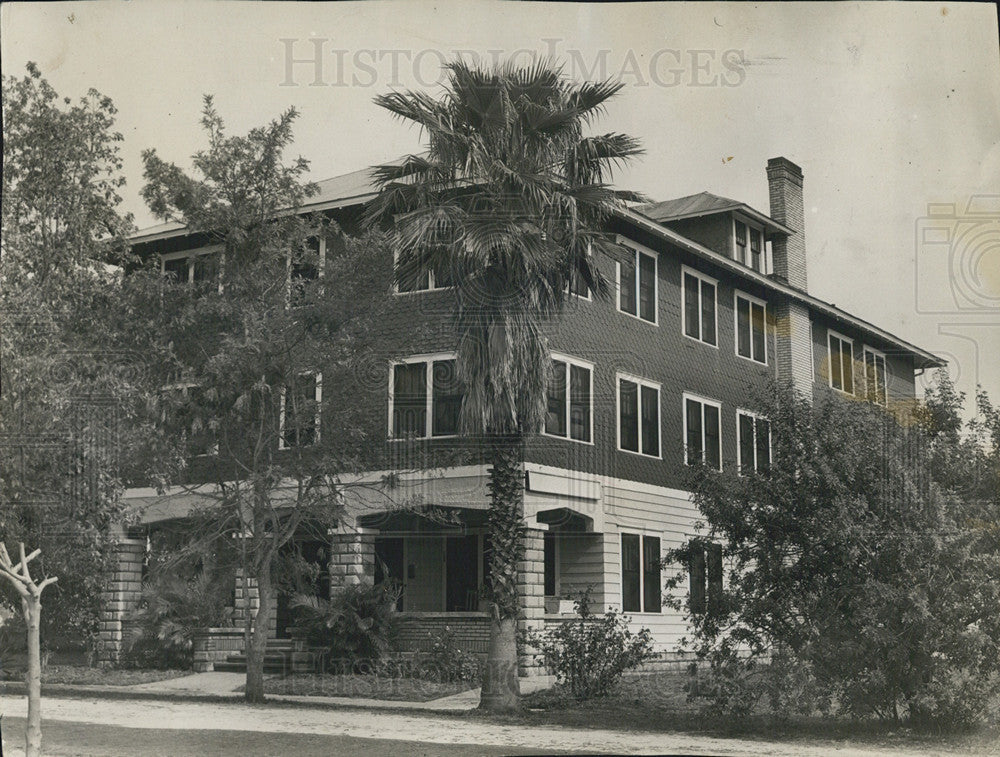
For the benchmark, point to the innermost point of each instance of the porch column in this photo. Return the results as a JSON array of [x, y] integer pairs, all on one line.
[[121, 594], [531, 597], [352, 559]]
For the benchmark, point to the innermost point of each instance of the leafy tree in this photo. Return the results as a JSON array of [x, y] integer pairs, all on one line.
[[863, 562], [507, 203], [256, 355], [65, 396]]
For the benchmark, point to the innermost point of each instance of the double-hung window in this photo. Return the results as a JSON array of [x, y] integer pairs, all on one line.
[[641, 584], [702, 431], [749, 244], [754, 450], [570, 400], [300, 411], [751, 328], [425, 397], [638, 416], [875, 377], [700, 316], [841, 362], [637, 287]]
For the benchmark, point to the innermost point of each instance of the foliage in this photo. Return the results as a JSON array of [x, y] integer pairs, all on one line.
[[257, 348], [177, 601], [868, 555], [13, 645], [67, 393], [357, 624], [507, 203], [589, 653], [446, 662]]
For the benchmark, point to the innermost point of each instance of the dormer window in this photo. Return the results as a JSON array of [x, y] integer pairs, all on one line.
[[748, 247]]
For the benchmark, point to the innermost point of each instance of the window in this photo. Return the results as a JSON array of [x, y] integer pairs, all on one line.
[[434, 277], [700, 320], [637, 288], [299, 416], [756, 248], [569, 412], [193, 267], [578, 285], [641, 589], [638, 416], [705, 574], [702, 431], [754, 451], [748, 247], [841, 355], [751, 328], [875, 377], [425, 398], [741, 242]]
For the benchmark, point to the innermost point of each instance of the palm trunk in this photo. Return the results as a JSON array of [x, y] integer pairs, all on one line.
[[254, 692], [32, 607], [501, 691]]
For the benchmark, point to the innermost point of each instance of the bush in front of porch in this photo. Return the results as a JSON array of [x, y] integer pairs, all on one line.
[[590, 653]]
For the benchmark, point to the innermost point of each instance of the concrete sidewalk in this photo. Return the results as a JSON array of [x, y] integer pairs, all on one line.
[[226, 687]]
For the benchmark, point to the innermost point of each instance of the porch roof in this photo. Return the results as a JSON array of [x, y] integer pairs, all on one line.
[[425, 520]]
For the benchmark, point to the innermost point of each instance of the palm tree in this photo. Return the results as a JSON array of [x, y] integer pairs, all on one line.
[[508, 202]]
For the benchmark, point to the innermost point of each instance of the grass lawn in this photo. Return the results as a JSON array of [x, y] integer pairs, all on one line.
[[362, 687], [658, 702], [82, 676]]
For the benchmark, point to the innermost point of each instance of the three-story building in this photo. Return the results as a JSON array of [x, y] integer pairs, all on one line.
[[710, 304]]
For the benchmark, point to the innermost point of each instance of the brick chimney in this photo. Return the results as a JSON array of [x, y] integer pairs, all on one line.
[[784, 182], [792, 324]]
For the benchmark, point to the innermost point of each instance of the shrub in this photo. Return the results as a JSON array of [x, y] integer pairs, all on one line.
[[447, 663], [356, 625], [589, 653], [172, 609]]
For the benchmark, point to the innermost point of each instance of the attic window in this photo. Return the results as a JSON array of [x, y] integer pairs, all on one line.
[[748, 247]]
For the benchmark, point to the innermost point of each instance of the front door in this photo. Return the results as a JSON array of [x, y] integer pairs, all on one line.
[[462, 573]]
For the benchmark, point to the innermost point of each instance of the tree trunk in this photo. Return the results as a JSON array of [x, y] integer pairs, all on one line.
[[32, 607], [501, 691], [254, 692]]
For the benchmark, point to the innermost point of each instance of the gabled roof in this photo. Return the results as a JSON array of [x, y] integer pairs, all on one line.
[[704, 204]]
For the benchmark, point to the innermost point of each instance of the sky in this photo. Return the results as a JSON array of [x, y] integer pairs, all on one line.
[[891, 109]]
